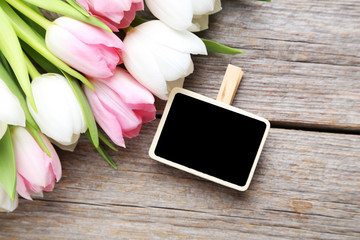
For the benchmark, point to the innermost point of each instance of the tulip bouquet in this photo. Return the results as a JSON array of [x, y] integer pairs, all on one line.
[[60, 79]]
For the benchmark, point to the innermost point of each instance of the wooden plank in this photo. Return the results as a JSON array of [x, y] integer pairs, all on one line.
[[306, 186], [301, 60]]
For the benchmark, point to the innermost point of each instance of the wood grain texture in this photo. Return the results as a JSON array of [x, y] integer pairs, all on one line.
[[301, 67], [301, 60], [306, 186]]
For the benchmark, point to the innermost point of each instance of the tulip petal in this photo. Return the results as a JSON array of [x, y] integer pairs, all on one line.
[[175, 13], [21, 188], [113, 103], [36, 171], [103, 5], [174, 64], [217, 6], [128, 89], [84, 4], [87, 59], [113, 10], [130, 15], [11, 111], [6, 204], [30, 159], [115, 14], [49, 187], [59, 113], [70, 147], [105, 119], [183, 41], [200, 23], [177, 83], [201, 7], [132, 132], [147, 113], [54, 160], [88, 33], [109, 23], [53, 116], [143, 66]]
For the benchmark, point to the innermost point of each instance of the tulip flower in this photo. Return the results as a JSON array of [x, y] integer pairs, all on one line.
[[120, 105], [59, 115], [11, 111], [157, 60], [6, 204], [115, 13], [89, 49], [192, 15], [36, 171]]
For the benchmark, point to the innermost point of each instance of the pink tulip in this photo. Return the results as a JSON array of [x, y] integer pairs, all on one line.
[[120, 105], [115, 13], [89, 49], [36, 171]]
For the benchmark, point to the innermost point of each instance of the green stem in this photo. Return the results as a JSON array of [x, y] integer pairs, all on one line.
[[128, 29], [137, 21], [30, 13], [31, 68]]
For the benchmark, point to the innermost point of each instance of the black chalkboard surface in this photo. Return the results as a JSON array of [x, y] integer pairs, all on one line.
[[209, 139]]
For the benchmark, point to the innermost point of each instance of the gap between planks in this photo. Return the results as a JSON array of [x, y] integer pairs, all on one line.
[[306, 127]]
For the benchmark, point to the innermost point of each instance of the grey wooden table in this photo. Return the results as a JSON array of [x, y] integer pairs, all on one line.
[[302, 71]]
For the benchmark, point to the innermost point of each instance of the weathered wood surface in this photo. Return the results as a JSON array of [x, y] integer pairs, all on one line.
[[306, 186], [301, 67], [301, 60]]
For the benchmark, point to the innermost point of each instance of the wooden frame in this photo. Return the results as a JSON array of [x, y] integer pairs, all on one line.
[[195, 172]]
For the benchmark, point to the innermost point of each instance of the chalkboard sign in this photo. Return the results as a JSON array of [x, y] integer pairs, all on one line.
[[210, 139]]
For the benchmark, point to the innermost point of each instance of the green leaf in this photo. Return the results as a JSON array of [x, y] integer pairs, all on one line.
[[41, 31], [30, 13], [77, 6], [39, 59], [102, 152], [31, 68], [65, 9], [10, 47], [215, 47], [6, 65], [85, 106], [34, 40], [106, 141], [7, 165]]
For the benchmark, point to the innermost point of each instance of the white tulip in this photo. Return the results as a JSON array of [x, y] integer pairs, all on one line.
[[11, 111], [6, 204], [159, 56], [59, 116], [192, 15]]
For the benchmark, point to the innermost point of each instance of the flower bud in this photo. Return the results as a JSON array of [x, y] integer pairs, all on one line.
[[59, 115], [116, 14], [89, 49], [36, 171], [120, 105], [160, 61]]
